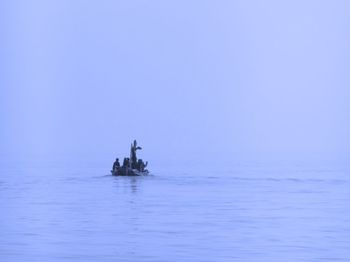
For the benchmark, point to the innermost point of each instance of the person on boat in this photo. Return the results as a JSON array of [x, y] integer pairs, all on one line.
[[126, 162], [116, 164], [140, 165], [133, 158]]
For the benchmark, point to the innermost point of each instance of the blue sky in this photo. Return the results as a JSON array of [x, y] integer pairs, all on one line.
[[203, 78]]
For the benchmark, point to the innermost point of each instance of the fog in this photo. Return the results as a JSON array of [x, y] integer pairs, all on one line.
[[187, 79]]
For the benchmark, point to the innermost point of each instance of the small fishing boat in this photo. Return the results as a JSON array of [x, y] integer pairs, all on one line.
[[131, 166], [126, 171]]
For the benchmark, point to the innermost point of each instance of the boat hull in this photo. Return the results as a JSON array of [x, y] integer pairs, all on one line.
[[122, 171]]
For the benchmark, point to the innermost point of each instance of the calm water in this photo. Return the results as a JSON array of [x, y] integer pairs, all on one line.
[[250, 212]]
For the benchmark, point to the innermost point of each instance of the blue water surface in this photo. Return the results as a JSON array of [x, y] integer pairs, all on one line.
[[60, 211]]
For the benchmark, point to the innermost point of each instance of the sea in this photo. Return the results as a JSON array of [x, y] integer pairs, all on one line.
[[241, 211]]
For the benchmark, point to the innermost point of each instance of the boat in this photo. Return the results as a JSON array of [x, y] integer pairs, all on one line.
[[131, 166], [126, 171]]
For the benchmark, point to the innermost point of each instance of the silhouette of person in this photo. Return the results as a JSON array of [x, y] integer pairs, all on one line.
[[140, 165], [126, 162], [116, 164], [133, 158]]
